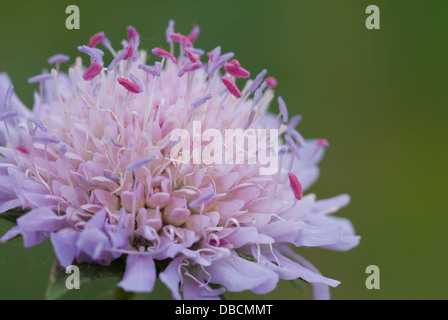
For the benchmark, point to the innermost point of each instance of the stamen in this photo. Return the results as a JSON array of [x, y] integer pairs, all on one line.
[[139, 163], [132, 33], [154, 71], [295, 185], [231, 86], [57, 58], [45, 139], [282, 108], [130, 86], [9, 96], [271, 82], [199, 102], [111, 176], [298, 137], [117, 60], [169, 31], [94, 53], [259, 93], [191, 56], [236, 70], [194, 33], [292, 145], [40, 78], [189, 68], [202, 199], [92, 71], [323, 143], [257, 81], [295, 120], [8, 115], [97, 38], [163, 54]]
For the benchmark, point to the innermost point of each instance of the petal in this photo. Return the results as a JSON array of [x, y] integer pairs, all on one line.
[[140, 274], [171, 278], [64, 244], [238, 274]]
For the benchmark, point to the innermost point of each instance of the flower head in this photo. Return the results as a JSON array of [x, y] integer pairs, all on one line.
[[91, 165]]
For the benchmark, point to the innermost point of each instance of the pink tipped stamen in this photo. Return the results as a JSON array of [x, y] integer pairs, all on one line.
[[117, 60], [180, 38], [231, 86], [191, 56], [236, 70], [194, 33], [189, 68], [271, 82], [163, 54], [295, 185], [96, 38], [130, 86], [322, 143], [154, 71], [132, 33], [92, 71]]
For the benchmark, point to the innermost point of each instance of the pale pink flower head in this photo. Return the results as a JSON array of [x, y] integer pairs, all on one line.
[[92, 167]]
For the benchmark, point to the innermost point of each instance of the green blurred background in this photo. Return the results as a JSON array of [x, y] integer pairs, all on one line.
[[378, 96]]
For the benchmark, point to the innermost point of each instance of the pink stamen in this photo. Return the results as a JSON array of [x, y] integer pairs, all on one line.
[[231, 86], [132, 33], [295, 185], [323, 143], [97, 38], [129, 49], [180, 38], [189, 68], [194, 34], [236, 70], [92, 71], [163, 54], [130, 86], [271, 82], [191, 56]]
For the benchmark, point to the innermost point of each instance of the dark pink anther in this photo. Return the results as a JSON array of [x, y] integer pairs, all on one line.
[[92, 71], [235, 63], [97, 38], [180, 38], [194, 33], [129, 51], [163, 54], [271, 82], [130, 86], [231, 86], [191, 56], [189, 68], [235, 70], [323, 143], [132, 33], [295, 185]]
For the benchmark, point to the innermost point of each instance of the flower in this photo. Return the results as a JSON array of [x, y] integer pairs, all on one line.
[[90, 166]]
